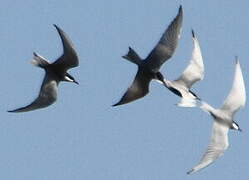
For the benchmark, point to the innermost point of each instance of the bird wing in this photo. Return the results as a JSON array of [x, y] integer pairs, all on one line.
[[217, 146], [237, 95], [69, 59], [195, 70], [167, 44], [47, 96], [138, 89]]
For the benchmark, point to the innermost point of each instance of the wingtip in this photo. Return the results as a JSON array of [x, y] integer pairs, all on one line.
[[57, 27], [190, 171], [118, 103], [180, 12], [35, 54], [236, 59], [193, 33], [180, 8], [15, 110], [11, 111], [114, 105]]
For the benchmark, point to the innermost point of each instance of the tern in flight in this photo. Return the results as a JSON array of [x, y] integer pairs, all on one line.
[[148, 68], [55, 72], [194, 72], [223, 120]]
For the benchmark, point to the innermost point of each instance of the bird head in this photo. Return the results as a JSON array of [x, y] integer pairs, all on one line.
[[160, 78], [70, 78], [235, 126]]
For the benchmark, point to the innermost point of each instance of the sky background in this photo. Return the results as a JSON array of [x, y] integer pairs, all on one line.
[[81, 136]]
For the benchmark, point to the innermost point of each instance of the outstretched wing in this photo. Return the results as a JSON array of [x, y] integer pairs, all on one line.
[[237, 95], [167, 44], [195, 70], [47, 96], [217, 145], [69, 59], [138, 89]]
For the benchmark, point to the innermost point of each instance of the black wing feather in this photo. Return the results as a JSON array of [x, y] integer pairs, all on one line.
[[47, 96], [138, 89], [69, 59], [167, 44]]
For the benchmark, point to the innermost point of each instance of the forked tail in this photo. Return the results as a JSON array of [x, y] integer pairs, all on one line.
[[187, 103], [39, 61], [206, 107], [133, 57]]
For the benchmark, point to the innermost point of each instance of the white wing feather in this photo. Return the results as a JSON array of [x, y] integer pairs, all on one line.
[[217, 145], [237, 95], [219, 138], [195, 70]]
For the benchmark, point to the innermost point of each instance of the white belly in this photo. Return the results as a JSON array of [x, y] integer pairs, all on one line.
[[188, 99]]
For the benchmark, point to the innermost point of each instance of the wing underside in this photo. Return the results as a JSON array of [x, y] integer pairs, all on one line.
[[195, 70], [217, 146], [167, 44], [138, 89], [46, 97], [69, 59], [237, 95]]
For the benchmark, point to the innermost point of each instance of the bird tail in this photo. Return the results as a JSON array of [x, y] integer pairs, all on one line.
[[187, 103], [133, 57], [39, 61], [206, 107]]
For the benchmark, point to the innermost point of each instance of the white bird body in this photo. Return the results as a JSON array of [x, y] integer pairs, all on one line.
[[188, 99], [223, 120], [194, 72]]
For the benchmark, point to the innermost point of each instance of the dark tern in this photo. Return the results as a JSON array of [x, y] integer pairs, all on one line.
[[223, 120], [55, 72], [148, 68]]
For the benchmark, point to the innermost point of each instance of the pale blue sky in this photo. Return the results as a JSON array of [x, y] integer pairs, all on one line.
[[81, 136]]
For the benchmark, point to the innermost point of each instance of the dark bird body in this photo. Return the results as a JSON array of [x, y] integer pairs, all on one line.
[[148, 68], [55, 72]]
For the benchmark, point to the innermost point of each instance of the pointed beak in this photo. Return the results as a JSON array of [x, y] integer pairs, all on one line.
[[76, 82], [240, 130], [164, 83]]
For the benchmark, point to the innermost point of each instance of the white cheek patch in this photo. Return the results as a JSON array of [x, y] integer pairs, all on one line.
[[158, 81], [161, 81], [68, 79], [235, 126]]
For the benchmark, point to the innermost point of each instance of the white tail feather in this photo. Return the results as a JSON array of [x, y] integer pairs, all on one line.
[[206, 107], [34, 62], [187, 103]]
